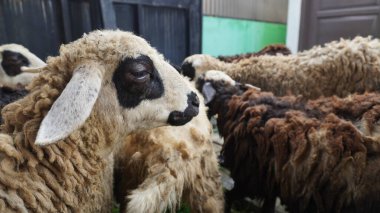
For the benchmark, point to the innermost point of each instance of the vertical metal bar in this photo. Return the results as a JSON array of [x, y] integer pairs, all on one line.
[[108, 14], [140, 19], [66, 20], [195, 27]]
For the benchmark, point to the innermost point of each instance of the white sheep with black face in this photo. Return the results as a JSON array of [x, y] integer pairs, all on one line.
[[158, 169], [14, 59], [337, 68], [99, 89]]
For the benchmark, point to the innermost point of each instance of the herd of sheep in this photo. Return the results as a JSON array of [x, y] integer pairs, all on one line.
[[110, 120]]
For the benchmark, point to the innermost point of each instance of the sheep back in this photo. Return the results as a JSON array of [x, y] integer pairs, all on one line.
[[314, 161], [273, 49]]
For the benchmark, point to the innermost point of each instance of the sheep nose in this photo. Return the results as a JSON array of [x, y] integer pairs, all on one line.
[[177, 118], [195, 100], [192, 105]]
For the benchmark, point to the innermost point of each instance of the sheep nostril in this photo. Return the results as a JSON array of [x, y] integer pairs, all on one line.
[[195, 101]]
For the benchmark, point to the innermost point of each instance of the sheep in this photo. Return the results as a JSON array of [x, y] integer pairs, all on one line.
[[313, 155], [14, 59], [273, 49], [57, 143], [155, 169], [8, 95], [338, 68]]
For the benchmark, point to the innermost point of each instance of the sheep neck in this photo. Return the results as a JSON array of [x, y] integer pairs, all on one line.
[[76, 172], [220, 104]]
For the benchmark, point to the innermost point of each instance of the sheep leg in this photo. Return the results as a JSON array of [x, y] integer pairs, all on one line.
[[231, 196], [228, 202], [269, 204], [158, 192], [206, 195]]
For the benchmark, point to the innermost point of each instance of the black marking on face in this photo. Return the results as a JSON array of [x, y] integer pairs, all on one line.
[[223, 92], [137, 79], [177, 118], [12, 62], [188, 70]]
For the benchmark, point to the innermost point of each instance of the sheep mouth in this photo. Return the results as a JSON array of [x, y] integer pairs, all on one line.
[[178, 118]]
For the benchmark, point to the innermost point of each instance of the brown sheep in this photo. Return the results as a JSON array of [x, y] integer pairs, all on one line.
[[273, 49], [337, 68], [312, 155], [57, 143], [157, 169]]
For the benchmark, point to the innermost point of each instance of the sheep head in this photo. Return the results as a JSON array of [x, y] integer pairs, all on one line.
[[217, 88], [119, 78], [197, 64], [14, 59]]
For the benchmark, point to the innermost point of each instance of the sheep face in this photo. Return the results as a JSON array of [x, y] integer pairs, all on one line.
[[212, 83], [217, 87], [13, 58], [193, 66], [121, 79]]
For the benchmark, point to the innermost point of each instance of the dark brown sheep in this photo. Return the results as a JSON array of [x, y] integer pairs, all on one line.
[[313, 155], [273, 49]]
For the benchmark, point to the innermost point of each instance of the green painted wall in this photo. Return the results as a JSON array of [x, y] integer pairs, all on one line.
[[226, 36]]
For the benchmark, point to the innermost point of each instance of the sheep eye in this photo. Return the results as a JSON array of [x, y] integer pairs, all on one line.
[[140, 75], [138, 71], [137, 79]]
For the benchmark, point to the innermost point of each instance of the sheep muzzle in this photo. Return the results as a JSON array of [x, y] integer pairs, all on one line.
[[177, 118]]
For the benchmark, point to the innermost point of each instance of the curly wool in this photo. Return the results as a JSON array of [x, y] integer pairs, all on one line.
[[71, 175], [273, 49], [157, 169], [8, 95], [363, 110], [337, 68], [310, 155], [75, 174], [49, 179]]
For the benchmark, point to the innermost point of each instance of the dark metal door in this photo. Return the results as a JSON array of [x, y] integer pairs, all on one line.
[[32, 24], [43, 25], [173, 27], [326, 20]]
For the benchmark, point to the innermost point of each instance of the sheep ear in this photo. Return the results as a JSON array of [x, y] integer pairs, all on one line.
[[252, 87], [72, 107], [32, 69], [208, 92]]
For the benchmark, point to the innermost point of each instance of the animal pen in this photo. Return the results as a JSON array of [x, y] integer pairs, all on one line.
[[173, 27]]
